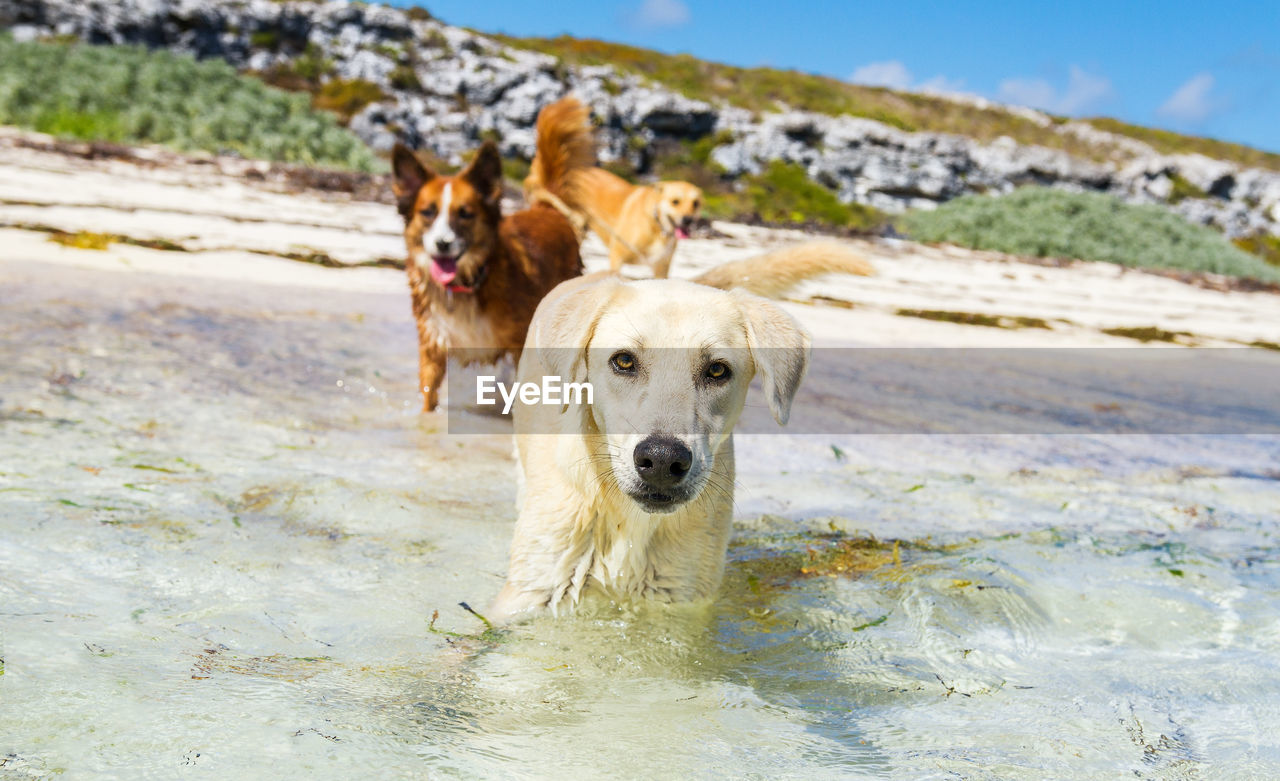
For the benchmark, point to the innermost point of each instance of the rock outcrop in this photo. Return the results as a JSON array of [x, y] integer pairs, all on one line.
[[446, 88]]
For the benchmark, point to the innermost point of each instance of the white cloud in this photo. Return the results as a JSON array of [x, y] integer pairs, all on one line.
[[1083, 91], [662, 13], [1191, 102], [895, 75], [941, 85], [1028, 92], [890, 73]]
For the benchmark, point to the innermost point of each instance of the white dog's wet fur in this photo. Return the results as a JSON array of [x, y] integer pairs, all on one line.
[[632, 497]]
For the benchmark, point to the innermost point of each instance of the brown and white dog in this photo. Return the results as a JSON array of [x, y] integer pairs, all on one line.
[[476, 277]]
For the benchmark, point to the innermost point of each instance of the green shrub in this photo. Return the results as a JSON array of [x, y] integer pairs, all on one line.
[[346, 97], [130, 95], [264, 39], [690, 160], [1183, 189], [404, 77], [1170, 143], [515, 169], [303, 73], [784, 193], [1090, 226], [1263, 245]]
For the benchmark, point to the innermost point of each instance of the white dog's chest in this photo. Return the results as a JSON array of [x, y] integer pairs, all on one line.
[[624, 571], [643, 565]]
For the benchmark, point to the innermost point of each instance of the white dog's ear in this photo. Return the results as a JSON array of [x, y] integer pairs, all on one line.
[[779, 348], [565, 321]]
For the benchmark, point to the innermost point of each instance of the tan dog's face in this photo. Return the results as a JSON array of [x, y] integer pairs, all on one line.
[[679, 204], [450, 221], [670, 362]]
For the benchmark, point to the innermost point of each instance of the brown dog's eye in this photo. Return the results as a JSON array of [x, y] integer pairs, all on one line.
[[623, 363], [696, 203], [465, 212], [675, 201], [430, 212], [719, 371]]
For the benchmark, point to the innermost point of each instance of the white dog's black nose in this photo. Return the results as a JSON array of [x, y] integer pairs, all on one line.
[[662, 461]]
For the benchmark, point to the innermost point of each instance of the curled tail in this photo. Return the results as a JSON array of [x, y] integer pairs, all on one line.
[[565, 146], [772, 273]]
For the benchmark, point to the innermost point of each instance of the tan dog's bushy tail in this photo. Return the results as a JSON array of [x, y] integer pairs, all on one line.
[[565, 146], [772, 273]]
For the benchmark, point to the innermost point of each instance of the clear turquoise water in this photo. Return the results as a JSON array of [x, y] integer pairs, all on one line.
[[224, 531]]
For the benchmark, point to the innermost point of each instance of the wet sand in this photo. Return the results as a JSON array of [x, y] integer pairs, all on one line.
[[226, 530]]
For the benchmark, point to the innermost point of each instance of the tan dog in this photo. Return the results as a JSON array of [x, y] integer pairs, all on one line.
[[639, 223], [475, 276], [648, 219], [632, 496]]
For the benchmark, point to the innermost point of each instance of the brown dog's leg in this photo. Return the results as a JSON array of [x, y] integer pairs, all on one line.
[[431, 357], [431, 368]]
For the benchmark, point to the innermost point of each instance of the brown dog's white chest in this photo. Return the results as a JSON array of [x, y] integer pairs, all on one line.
[[457, 321], [462, 326]]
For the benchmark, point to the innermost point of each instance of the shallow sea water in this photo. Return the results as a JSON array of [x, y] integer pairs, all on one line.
[[225, 530]]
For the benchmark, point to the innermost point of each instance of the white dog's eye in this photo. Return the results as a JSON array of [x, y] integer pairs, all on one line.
[[623, 363], [718, 370]]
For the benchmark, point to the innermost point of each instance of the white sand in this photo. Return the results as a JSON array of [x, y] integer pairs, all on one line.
[[228, 220]]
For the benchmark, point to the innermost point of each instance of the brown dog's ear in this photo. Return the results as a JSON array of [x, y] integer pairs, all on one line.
[[565, 321], [485, 173], [779, 348], [409, 176]]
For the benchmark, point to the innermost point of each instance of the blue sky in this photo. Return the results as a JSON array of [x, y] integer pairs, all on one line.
[[1198, 67]]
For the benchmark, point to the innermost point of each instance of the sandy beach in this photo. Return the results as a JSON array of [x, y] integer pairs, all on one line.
[[234, 225]]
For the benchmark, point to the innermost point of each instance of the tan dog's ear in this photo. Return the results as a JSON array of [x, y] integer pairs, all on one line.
[[779, 348], [565, 322], [409, 176], [485, 173]]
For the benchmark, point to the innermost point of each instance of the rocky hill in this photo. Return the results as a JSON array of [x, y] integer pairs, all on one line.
[[400, 74]]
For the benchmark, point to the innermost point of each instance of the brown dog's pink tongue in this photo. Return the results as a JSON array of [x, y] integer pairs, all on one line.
[[444, 270], [681, 233]]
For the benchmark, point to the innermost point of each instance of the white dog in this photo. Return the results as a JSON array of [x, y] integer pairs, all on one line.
[[632, 495]]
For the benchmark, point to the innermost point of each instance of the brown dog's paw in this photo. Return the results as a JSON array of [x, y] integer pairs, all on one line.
[[430, 400]]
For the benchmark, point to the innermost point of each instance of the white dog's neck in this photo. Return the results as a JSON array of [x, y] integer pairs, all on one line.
[[610, 551], [612, 542]]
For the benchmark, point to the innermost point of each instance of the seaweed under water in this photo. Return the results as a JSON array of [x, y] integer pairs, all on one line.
[[227, 538]]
